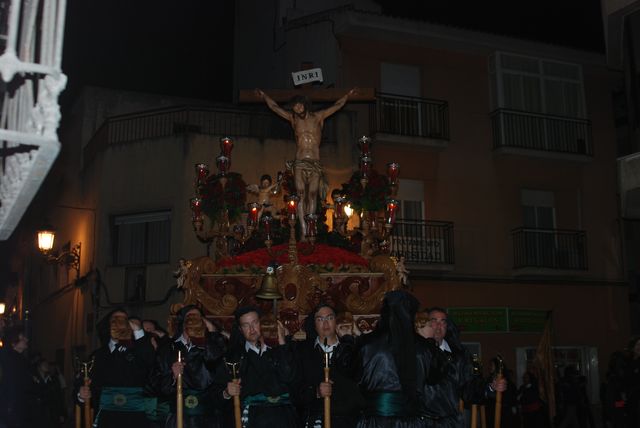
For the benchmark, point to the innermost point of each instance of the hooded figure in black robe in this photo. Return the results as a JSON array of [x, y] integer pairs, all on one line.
[[266, 374], [121, 370], [346, 400], [201, 350], [15, 380], [396, 366]]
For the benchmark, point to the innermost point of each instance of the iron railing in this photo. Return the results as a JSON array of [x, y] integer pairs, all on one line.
[[409, 116], [234, 122], [534, 131], [549, 248], [423, 242]]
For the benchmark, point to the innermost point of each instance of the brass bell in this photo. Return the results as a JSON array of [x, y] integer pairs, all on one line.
[[269, 287]]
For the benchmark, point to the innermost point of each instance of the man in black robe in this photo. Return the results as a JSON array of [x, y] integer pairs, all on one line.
[[121, 370], [201, 349], [396, 366], [266, 375], [440, 403], [49, 403], [15, 379], [323, 342]]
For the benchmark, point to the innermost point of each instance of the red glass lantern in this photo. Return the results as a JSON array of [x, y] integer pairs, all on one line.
[[292, 205], [392, 208], [393, 169], [365, 166], [365, 145], [266, 222], [226, 145], [202, 172], [254, 209], [223, 163], [196, 207], [339, 206], [311, 220]]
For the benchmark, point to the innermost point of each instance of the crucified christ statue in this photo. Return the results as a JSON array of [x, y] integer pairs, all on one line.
[[307, 126]]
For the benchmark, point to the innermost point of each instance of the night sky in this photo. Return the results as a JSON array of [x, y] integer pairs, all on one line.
[[186, 47]]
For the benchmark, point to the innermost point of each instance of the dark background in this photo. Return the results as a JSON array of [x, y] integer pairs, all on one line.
[[185, 47]]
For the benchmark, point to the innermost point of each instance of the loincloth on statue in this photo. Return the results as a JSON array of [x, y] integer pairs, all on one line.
[[309, 168]]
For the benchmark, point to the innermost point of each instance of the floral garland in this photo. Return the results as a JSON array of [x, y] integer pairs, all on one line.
[[217, 199], [374, 195], [324, 258]]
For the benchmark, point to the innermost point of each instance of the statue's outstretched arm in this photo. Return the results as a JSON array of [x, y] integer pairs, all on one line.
[[274, 105], [337, 105]]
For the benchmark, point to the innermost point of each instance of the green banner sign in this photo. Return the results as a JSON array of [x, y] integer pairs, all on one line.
[[474, 320], [527, 320]]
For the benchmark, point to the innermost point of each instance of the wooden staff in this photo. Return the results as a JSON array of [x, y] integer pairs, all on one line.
[[78, 416], [483, 417], [87, 404], [327, 400], [179, 403], [477, 371], [498, 411], [474, 416], [236, 399]]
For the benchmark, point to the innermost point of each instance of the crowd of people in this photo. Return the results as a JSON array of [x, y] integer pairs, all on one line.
[[404, 373], [620, 393]]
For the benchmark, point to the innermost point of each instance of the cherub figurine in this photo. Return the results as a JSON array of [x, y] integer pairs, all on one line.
[[264, 192], [181, 273], [403, 273]]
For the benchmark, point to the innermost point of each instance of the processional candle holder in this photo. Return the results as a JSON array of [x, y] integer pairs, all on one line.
[[393, 170], [338, 213], [221, 228], [197, 219], [202, 172], [365, 170], [292, 210], [390, 214], [267, 220]]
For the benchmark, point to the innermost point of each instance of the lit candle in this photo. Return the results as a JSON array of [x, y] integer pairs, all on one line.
[[226, 145], [393, 169], [292, 205], [202, 171], [252, 218], [196, 207], [179, 356], [392, 206]]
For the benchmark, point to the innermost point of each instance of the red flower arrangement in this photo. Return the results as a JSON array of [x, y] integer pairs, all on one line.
[[323, 258], [216, 199], [373, 197]]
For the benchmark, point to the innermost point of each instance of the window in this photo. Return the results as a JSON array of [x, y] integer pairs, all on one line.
[[538, 214], [141, 239], [536, 85]]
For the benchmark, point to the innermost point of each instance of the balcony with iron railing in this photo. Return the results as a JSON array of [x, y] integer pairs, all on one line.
[[423, 242], [522, 132], [555, 249], [235, 122], [413, 120]]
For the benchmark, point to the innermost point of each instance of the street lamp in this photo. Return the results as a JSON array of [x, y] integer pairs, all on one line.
[[69, 257]]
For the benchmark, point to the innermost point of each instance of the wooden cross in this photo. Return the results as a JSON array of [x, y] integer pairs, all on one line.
[[323, 95]]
